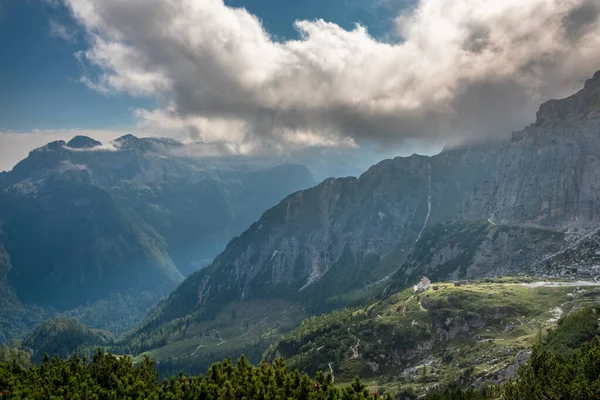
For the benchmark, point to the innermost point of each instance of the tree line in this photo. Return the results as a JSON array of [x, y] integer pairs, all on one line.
[[109, 377]]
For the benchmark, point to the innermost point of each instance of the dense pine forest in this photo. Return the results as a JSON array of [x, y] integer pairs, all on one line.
[[108, 377]]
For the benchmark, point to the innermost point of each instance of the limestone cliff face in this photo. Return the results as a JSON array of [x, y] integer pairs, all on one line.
[[349, 221], [475, 249], [346, 226], [548, 175]]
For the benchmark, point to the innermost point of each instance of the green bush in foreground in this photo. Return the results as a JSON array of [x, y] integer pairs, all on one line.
[[109, 377]]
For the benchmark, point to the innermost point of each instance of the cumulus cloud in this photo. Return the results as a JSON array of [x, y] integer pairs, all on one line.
[[463, 70]]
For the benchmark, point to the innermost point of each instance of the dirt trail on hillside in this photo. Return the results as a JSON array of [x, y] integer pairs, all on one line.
[[331, 370], [559, 284], [355, 347]]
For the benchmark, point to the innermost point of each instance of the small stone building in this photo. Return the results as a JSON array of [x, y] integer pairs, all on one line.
[[423, 285]]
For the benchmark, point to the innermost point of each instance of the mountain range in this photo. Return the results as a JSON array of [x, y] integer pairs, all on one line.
[[510, 208], [101, 232]]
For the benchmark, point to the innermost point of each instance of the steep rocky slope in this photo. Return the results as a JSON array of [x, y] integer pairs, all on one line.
[[548, 175], [333, 238], [579, 259], [462, 249]]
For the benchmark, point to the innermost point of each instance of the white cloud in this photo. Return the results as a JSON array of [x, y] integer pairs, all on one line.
[[61, 31], [15, 146], [465, 69]]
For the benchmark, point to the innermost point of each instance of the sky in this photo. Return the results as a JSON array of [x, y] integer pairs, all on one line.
[[372, 78]]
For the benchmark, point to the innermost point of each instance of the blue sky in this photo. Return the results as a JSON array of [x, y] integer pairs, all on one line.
[[40, 84]]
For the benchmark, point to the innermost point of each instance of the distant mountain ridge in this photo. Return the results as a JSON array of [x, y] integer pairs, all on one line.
[[82, 222]]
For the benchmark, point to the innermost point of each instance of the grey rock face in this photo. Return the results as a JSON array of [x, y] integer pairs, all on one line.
[[579, 259], [468, 250], [83, 142], [548, 175]]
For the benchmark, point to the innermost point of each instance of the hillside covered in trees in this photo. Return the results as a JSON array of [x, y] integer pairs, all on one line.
[[63, 337], [110, 377], [564, 364]]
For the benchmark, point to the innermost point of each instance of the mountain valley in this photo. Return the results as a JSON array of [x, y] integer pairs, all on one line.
[[115, 227]]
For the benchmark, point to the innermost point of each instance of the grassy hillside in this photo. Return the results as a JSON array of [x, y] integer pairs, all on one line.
[[475, 332], [564, 365], [63, 337], [192, 344]]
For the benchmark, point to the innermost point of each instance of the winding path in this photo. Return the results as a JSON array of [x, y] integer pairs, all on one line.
[[355, 347], [197, 348], [210, 345]]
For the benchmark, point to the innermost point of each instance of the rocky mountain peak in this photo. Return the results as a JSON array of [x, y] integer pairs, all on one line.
[[584, 104], [594, 82], [127, 141], [83, 142], [38, 164], [56, 145]]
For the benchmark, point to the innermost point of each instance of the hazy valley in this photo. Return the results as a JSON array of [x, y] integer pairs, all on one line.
[[115, 229]]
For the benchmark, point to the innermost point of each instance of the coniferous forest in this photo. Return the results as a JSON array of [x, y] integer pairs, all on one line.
[[108, 377]]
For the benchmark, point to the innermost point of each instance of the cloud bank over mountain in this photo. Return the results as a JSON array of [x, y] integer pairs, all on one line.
[[14, 146], [461, 70]]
